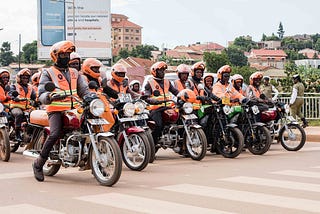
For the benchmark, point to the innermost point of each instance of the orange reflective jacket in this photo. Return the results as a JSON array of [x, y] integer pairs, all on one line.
[[164, 93], [22, 94], [64, 88]]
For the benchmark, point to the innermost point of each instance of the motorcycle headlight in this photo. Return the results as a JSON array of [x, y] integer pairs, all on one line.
[[227, 109], [139, 107], [1, 107], [187, 108], [129, 109], [287, 108], [97, 107], [255, 109]]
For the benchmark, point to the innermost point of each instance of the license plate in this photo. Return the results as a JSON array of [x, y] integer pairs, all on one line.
[[3, 120], [125, 98], [140, 117], [189, 117], [98, 121]]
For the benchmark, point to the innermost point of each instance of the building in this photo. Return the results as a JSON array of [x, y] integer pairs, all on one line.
[[271, 45], [309, 63], [269, 58], [125, 34], [309, 53]]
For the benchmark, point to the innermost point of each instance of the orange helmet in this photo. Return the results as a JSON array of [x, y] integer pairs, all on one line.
[[3, 72], [197, 66], [209, 76], [223, 69], [23, 72], [36, 78], [183, 69], [236, 78], [187, 95], [118, 68], [87, 67], [157, 66], [255, 75], [61, 47]]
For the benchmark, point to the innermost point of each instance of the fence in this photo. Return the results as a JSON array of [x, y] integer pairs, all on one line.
[[311, 107]]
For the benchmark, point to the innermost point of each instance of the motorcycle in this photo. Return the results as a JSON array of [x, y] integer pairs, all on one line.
[[256, 135], [225, 138], [181, 130], [83, 143], [134, 144], [284, 127], [4, 137]]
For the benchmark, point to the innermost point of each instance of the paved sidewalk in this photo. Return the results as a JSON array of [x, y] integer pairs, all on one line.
[[313, 133]]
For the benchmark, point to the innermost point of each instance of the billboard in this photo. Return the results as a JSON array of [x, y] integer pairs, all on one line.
[[86, 23]]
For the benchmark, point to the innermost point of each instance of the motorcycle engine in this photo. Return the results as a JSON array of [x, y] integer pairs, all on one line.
[[70, 150]]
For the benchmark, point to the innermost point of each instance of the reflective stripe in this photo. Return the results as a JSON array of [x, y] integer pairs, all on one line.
[[164, 93]]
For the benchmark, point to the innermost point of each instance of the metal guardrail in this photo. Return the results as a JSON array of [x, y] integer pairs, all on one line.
[[311, 107]]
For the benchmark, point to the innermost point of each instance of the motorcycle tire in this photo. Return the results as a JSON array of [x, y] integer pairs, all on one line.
[[4, 145], [107, 172], [231, 145], [152, 146], [14, 145], [196, 149], [292, 139], [261, 142], [142, 146]]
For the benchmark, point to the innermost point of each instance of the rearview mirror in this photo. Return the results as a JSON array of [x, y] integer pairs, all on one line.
[[156, 93], [49, 86], [93, 85]]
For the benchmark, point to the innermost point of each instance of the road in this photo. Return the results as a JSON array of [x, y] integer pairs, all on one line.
[[277, 182]]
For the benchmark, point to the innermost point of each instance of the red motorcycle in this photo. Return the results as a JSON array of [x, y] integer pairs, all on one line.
[[83, 143], [285, 128]]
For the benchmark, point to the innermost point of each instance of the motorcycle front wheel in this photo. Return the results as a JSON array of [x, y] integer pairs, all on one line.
[[293, 138], [4, 145], [137, 156], [108, 169], [258, 142], [197, 148], [152, 146], [230, 145]]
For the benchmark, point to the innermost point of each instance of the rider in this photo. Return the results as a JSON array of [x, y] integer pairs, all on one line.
[[135, 90], [22, 101], [4, 83], [267, 89], [117, 82], [223, 89], [75, 61], [237, 82], [253, 91], [197, 72], [208, 82], [68, 81], [91, 70], [183, 82], [35, 78], [158, 83]]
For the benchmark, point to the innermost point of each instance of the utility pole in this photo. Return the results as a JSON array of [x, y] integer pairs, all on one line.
[[19, 55]]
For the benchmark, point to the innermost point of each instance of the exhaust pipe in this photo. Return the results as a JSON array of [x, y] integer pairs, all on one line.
[[31, 153]]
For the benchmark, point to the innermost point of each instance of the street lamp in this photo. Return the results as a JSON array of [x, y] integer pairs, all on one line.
[[73, 20]]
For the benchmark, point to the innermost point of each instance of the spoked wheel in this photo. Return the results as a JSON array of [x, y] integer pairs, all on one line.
[[258, 142], [137, 156], [230, 146], [4, 145], [197, 148], [108, 169], [293, 138]]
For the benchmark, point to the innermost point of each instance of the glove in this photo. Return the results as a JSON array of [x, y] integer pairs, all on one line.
[[215, 98], [154, 102], [202, 98], [16, 99], [245, 100], [54, 97]]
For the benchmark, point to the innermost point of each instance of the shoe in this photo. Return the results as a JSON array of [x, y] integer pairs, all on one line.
[[37, 166], [305, 122]]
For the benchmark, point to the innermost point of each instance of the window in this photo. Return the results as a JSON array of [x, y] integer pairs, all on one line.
[[137, 38], [119, 37], [127, 30], [131, 30], [131, 38], [127, 38], [137, 31], [127, 45], [119, 30]]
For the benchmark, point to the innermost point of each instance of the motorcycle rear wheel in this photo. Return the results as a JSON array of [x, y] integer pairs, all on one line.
[[152, 146], [231, 145], [197, 149], [4, 145], [109, 169], [292, 139], [136, 160], [261, 142]]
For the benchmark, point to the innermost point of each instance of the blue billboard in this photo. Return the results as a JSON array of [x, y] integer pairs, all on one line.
[[52, 15]]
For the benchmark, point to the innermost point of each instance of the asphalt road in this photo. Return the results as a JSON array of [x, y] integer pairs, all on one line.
[[277, 182]]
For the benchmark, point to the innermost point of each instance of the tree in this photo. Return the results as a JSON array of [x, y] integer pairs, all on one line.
[[244, 43], [6, 55], [143, 51], [264, 37], [29, 54], [215, 61], [280, 31], [236, 56]]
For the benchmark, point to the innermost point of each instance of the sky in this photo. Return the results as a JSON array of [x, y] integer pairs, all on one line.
[[169, 23]]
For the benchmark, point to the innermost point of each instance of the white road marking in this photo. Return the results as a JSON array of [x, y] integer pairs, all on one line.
[[144, 205], [298, 173], [274, 183], [246, 196], [26, 209]]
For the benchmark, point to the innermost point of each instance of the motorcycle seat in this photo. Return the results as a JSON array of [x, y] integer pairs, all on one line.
[[39, 117]]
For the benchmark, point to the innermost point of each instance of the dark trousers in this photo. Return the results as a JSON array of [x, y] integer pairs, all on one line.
[[156, 116], [55, 123]]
